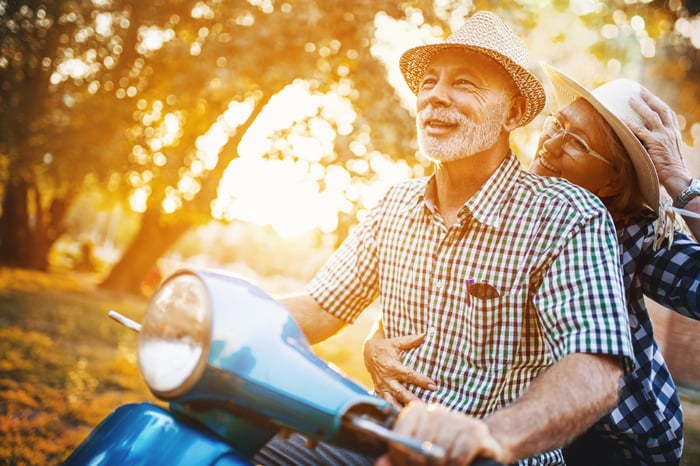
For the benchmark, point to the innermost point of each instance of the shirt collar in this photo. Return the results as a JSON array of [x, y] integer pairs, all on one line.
[[485, 205], [482, 204]]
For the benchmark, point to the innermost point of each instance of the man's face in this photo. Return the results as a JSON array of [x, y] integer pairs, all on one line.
[[462, 104], [564, 148]]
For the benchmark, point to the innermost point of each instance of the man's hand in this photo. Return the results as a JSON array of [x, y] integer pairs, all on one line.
[[463, 437], [391, 378]]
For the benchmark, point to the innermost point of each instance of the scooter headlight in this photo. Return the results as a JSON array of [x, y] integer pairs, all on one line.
[[175, 336]]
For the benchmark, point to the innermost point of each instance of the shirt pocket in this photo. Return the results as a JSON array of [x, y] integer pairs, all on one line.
[[492, 329]]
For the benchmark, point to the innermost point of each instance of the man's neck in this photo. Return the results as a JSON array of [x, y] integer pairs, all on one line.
[[456, 182]]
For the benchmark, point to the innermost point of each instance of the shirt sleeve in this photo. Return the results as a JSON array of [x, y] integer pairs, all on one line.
[[581, 300], [671, 275], [348, 282]]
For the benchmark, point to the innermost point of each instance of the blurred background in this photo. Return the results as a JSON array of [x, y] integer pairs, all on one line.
[[140, 135], [137, 137]]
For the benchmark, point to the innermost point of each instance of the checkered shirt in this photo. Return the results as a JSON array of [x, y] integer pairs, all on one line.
[[648, 421], [548, 248]]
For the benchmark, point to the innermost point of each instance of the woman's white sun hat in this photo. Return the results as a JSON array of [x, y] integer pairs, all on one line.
[[612, 101], [486, 33]]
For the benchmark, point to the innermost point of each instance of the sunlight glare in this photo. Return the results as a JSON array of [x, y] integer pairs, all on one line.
[[137, 200], [202, 11], [188, 184], [71, 68], [169, 205], [695, 32], [103, 24], [285, 193], [310, 148], [153, 38], [584, 7], [275, 192], [391, 39]]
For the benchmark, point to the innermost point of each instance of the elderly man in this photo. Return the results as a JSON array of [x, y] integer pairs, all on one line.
[[513, 278]]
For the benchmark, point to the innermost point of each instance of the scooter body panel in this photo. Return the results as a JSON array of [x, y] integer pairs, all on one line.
[[146, 434]]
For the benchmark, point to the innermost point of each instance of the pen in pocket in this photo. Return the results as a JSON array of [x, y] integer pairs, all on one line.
[[470, 282]]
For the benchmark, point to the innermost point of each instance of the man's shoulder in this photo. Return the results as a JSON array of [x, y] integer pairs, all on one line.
[[406, 191], [410, 185], [560, 193]]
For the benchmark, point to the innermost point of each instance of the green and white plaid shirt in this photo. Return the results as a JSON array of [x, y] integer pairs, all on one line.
[[546, 248]]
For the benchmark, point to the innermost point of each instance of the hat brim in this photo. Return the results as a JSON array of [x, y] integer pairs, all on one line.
[[568, 90], [414, 62]]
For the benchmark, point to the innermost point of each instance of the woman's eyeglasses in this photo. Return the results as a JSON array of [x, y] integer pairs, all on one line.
[[572, 144]]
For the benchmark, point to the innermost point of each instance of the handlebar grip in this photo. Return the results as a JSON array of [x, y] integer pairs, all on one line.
[[486, 462], [435, 452]]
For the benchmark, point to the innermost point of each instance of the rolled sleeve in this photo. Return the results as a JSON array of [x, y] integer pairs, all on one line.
[[348, 282], [581, 302]]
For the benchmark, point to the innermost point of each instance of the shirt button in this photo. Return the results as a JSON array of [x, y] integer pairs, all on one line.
[[431, 331], [439, 284]]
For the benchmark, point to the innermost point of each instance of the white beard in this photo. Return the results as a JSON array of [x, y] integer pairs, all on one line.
[[468, 139]]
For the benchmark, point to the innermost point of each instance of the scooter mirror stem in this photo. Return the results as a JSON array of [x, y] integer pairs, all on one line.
[[125, 321]]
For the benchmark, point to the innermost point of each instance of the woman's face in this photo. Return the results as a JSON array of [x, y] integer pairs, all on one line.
[[571, 146]]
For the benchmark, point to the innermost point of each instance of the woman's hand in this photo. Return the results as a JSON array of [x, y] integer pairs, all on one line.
[[661, 136], [391, 378]]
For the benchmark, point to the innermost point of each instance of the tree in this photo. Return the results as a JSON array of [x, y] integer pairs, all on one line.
[[127, 91], [321, 43], [210, 55], [62, 113]]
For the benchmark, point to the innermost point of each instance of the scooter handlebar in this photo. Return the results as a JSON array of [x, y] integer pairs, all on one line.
[[434, 452]]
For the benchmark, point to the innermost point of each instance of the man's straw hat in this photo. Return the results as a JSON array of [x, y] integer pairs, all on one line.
[[486, 33]]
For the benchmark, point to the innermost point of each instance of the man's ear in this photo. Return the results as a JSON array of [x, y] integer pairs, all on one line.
[[516, 111]]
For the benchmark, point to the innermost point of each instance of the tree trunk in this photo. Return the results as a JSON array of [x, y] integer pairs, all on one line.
[[14, 225], [27, 231], [139, 259]]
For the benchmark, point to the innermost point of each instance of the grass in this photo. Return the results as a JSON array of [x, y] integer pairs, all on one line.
[[66, 365]]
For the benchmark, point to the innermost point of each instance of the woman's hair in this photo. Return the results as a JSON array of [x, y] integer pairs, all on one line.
[[628, 202]]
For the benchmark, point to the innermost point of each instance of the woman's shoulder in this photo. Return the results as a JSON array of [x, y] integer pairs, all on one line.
[[638, 232]]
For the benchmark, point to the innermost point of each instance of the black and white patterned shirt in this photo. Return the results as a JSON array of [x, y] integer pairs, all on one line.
[[528, 274], [648, 421]]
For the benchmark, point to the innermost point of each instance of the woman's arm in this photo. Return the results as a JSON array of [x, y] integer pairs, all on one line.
[[382, 358]]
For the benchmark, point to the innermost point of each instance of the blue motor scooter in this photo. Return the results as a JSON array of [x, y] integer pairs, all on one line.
[[235, 370]]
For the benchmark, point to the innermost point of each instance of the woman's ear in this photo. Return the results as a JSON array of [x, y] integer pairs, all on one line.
[[516, 110], [612, 188]]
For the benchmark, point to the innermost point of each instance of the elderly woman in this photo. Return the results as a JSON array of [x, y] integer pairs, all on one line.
[[590, 143]]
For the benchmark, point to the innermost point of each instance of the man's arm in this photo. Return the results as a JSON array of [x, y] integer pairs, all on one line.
[[559, 405], [314, 321]]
